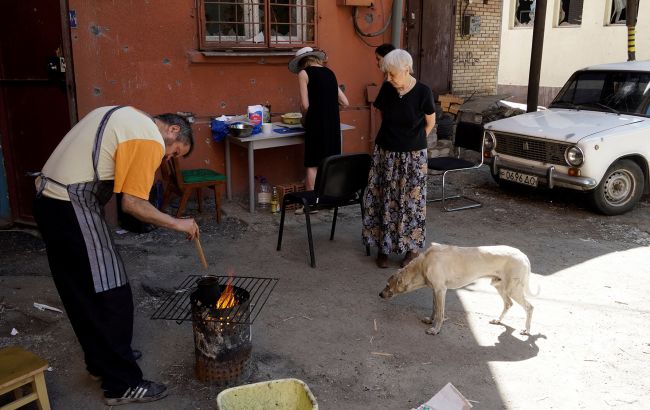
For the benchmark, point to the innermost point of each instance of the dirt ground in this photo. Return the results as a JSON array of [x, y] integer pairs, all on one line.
[[327, 326]]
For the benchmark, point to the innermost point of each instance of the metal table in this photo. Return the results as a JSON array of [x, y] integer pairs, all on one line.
[[261, 141]]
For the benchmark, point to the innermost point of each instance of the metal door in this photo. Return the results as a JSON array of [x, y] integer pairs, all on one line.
[[429, 38], [36, 92]]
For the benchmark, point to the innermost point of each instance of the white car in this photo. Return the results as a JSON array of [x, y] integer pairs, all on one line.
[[595, 137]]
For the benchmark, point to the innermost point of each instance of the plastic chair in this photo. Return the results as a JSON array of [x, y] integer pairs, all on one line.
[[470, 137], [18, 368], [340, 181], [183, 182]]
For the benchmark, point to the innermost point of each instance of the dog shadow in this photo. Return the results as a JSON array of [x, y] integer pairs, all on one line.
[[510, 348]]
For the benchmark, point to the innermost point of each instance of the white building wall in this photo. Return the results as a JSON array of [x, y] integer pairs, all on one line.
[[568, 48]]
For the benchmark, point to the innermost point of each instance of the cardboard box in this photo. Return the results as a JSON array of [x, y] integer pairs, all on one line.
[[282, 191], [447, 100]]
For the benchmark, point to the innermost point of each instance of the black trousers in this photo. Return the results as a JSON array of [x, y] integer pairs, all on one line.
[[102, 322]]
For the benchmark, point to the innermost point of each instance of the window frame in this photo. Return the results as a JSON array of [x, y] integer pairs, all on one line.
[[515, 22], [609, 13], [556, 15], [268, 44]]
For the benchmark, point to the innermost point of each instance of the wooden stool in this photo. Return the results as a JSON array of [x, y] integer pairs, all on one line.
[[19, 367]]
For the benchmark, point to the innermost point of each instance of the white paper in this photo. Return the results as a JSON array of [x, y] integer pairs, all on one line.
[[14, 332], [448, 398]]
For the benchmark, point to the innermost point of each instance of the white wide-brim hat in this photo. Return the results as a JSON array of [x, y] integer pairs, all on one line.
[[302, 53]]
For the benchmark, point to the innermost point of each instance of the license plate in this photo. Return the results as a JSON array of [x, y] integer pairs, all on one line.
[[518, 177]]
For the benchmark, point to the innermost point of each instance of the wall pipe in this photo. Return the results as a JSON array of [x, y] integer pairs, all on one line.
[[396, 30]]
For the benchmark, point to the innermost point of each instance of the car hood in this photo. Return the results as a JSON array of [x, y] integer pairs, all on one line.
[[562, 125]]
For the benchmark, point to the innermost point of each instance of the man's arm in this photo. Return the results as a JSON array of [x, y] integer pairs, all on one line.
[[144, 211]]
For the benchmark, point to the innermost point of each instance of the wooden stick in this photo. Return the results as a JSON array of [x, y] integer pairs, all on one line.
[[199, 249]]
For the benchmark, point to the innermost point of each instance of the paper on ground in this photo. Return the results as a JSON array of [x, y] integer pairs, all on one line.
[[448, 398]]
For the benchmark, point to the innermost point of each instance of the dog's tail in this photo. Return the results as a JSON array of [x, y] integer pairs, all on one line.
[[527, 286]]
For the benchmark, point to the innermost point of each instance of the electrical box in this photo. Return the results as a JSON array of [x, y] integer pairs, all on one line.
[[362, 3], [471, 25]]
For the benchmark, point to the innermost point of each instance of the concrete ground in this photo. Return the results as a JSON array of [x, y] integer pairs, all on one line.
[[590, 342]]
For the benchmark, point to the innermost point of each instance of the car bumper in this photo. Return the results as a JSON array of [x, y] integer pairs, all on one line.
[[547, 174]]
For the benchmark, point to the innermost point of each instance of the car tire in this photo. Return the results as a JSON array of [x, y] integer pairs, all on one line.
[[620, 189]]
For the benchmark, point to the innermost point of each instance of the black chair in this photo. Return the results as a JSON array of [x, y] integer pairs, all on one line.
[[468, 136], [340, 181]]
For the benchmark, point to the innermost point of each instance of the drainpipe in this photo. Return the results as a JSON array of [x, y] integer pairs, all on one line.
[[536, 56], [396, 35]]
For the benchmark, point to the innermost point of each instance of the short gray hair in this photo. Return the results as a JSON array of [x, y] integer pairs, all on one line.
[[397, 59], [185, 134]]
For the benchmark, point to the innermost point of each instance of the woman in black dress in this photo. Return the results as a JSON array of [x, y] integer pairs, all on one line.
[[395, 201], [320, 99]]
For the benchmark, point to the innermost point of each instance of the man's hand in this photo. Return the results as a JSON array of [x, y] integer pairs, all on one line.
[[189, 226]]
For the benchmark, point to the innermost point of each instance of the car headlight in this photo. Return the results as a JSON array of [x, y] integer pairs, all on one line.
[[574, 156], [489, 142]]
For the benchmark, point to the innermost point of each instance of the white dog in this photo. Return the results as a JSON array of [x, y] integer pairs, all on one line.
[[443, 267]]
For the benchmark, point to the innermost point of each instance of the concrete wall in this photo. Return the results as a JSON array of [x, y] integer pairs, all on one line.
[[144, 53], [476, 57], [566, 48]]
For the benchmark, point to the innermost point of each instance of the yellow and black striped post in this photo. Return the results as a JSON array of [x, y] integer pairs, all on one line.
[[631, 50], [631, 16]]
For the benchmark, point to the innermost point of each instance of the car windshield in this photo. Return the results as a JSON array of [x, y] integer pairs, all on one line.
[[626, 92]]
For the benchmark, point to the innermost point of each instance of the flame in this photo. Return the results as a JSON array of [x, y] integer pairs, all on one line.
[[227, 299]]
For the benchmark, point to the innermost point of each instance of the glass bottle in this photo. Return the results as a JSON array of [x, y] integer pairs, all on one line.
[[264, 194], [275, 201]]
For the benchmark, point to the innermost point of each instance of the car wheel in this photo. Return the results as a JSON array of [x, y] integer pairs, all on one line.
[[620, 189]]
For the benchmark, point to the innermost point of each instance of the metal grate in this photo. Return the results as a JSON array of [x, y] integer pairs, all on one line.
[[530, 148], [177, 305]]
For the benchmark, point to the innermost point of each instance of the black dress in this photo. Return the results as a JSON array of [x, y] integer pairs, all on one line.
[[322, 121]]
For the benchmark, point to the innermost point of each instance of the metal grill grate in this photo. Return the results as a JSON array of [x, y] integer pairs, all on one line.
[[530, 148], [177, 305]]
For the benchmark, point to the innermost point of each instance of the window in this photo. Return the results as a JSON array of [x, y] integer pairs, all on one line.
[[623, 91], [570, 13], [617, 13], [524, 13], [260, 24]]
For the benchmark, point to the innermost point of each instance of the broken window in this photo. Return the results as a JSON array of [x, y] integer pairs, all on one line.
[[570, 13], [257, 23], [524, 13], [618, 15]]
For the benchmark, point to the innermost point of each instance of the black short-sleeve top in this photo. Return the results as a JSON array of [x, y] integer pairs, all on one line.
[[403, 121]]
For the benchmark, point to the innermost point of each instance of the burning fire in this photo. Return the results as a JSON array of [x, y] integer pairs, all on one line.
[[227, 299]]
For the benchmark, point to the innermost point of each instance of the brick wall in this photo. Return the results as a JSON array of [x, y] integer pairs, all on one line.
[[476, 57]]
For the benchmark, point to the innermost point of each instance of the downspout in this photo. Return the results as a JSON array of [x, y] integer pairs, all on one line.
[[396, 35]]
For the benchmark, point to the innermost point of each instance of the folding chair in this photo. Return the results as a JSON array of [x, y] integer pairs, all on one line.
[[184, 182], [340, 181], [470, 137]]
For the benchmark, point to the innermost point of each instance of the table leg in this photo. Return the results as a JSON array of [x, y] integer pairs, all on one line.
[[251, 177], [228, 181]]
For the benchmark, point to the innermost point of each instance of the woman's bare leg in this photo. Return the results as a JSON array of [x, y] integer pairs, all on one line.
[[310, 181]]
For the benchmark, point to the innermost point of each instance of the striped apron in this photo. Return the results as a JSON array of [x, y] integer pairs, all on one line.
[[88, 200]]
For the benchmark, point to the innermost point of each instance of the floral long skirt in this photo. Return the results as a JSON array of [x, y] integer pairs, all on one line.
[[395, 202]]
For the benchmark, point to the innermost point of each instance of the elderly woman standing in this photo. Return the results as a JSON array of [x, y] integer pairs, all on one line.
[[395, 201], [320, 98]]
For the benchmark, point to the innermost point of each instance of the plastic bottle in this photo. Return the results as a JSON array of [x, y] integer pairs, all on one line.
[[275, 201], [264, 194]]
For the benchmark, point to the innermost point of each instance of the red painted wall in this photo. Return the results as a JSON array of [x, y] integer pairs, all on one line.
[[143, 53]]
